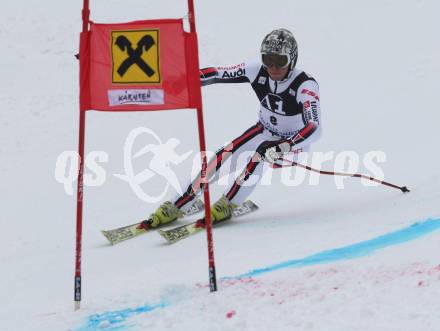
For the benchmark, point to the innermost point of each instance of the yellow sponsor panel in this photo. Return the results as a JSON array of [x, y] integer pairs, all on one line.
[[135, 56]]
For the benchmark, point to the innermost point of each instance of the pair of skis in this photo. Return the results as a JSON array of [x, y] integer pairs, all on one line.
[[173, 235]]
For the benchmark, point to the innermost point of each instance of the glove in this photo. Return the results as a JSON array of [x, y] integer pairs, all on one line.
[[274, 150]]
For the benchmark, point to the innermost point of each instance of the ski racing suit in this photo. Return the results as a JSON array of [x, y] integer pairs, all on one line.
[[289, 112]]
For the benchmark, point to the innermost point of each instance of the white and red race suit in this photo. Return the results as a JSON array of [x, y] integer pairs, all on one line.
[[289, 112]]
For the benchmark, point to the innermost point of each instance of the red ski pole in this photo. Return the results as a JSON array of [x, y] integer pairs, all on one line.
[[288, 163]]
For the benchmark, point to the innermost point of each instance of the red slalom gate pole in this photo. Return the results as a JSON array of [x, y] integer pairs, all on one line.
[[80, 187], [288, 163], [79, 210], [208, 221], [212, 273]]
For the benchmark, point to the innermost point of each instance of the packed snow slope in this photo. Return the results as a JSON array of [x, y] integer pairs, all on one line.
[[314, 257]]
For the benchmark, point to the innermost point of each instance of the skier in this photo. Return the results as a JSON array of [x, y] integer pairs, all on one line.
[[289, 121]]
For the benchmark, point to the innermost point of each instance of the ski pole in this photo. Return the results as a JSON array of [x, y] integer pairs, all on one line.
[[288, 163]]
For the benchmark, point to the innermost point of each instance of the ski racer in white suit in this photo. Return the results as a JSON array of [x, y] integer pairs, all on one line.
[[289, 121]]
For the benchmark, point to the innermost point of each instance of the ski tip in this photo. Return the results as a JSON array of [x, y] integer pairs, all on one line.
[[251, 203], [164, 235], [107, 236]]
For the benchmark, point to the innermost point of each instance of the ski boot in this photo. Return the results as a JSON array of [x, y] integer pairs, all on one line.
[[222, 210], [166, 213]]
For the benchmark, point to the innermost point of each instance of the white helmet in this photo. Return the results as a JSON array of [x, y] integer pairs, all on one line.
[[280, 42]]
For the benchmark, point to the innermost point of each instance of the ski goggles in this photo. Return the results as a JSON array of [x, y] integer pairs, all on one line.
[[275, 60]]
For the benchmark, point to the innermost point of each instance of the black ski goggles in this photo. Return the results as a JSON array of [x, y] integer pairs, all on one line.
[[275, 60]]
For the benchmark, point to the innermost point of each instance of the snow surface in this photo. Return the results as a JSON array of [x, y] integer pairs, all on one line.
[[378, 66]]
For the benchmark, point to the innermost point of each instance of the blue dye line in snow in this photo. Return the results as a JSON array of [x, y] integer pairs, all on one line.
[[360, 249], [114, 320]]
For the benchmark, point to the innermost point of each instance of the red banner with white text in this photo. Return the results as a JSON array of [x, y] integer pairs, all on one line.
[[137, 66]]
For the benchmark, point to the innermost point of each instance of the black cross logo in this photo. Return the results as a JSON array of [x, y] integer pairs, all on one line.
[[134, 55]]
